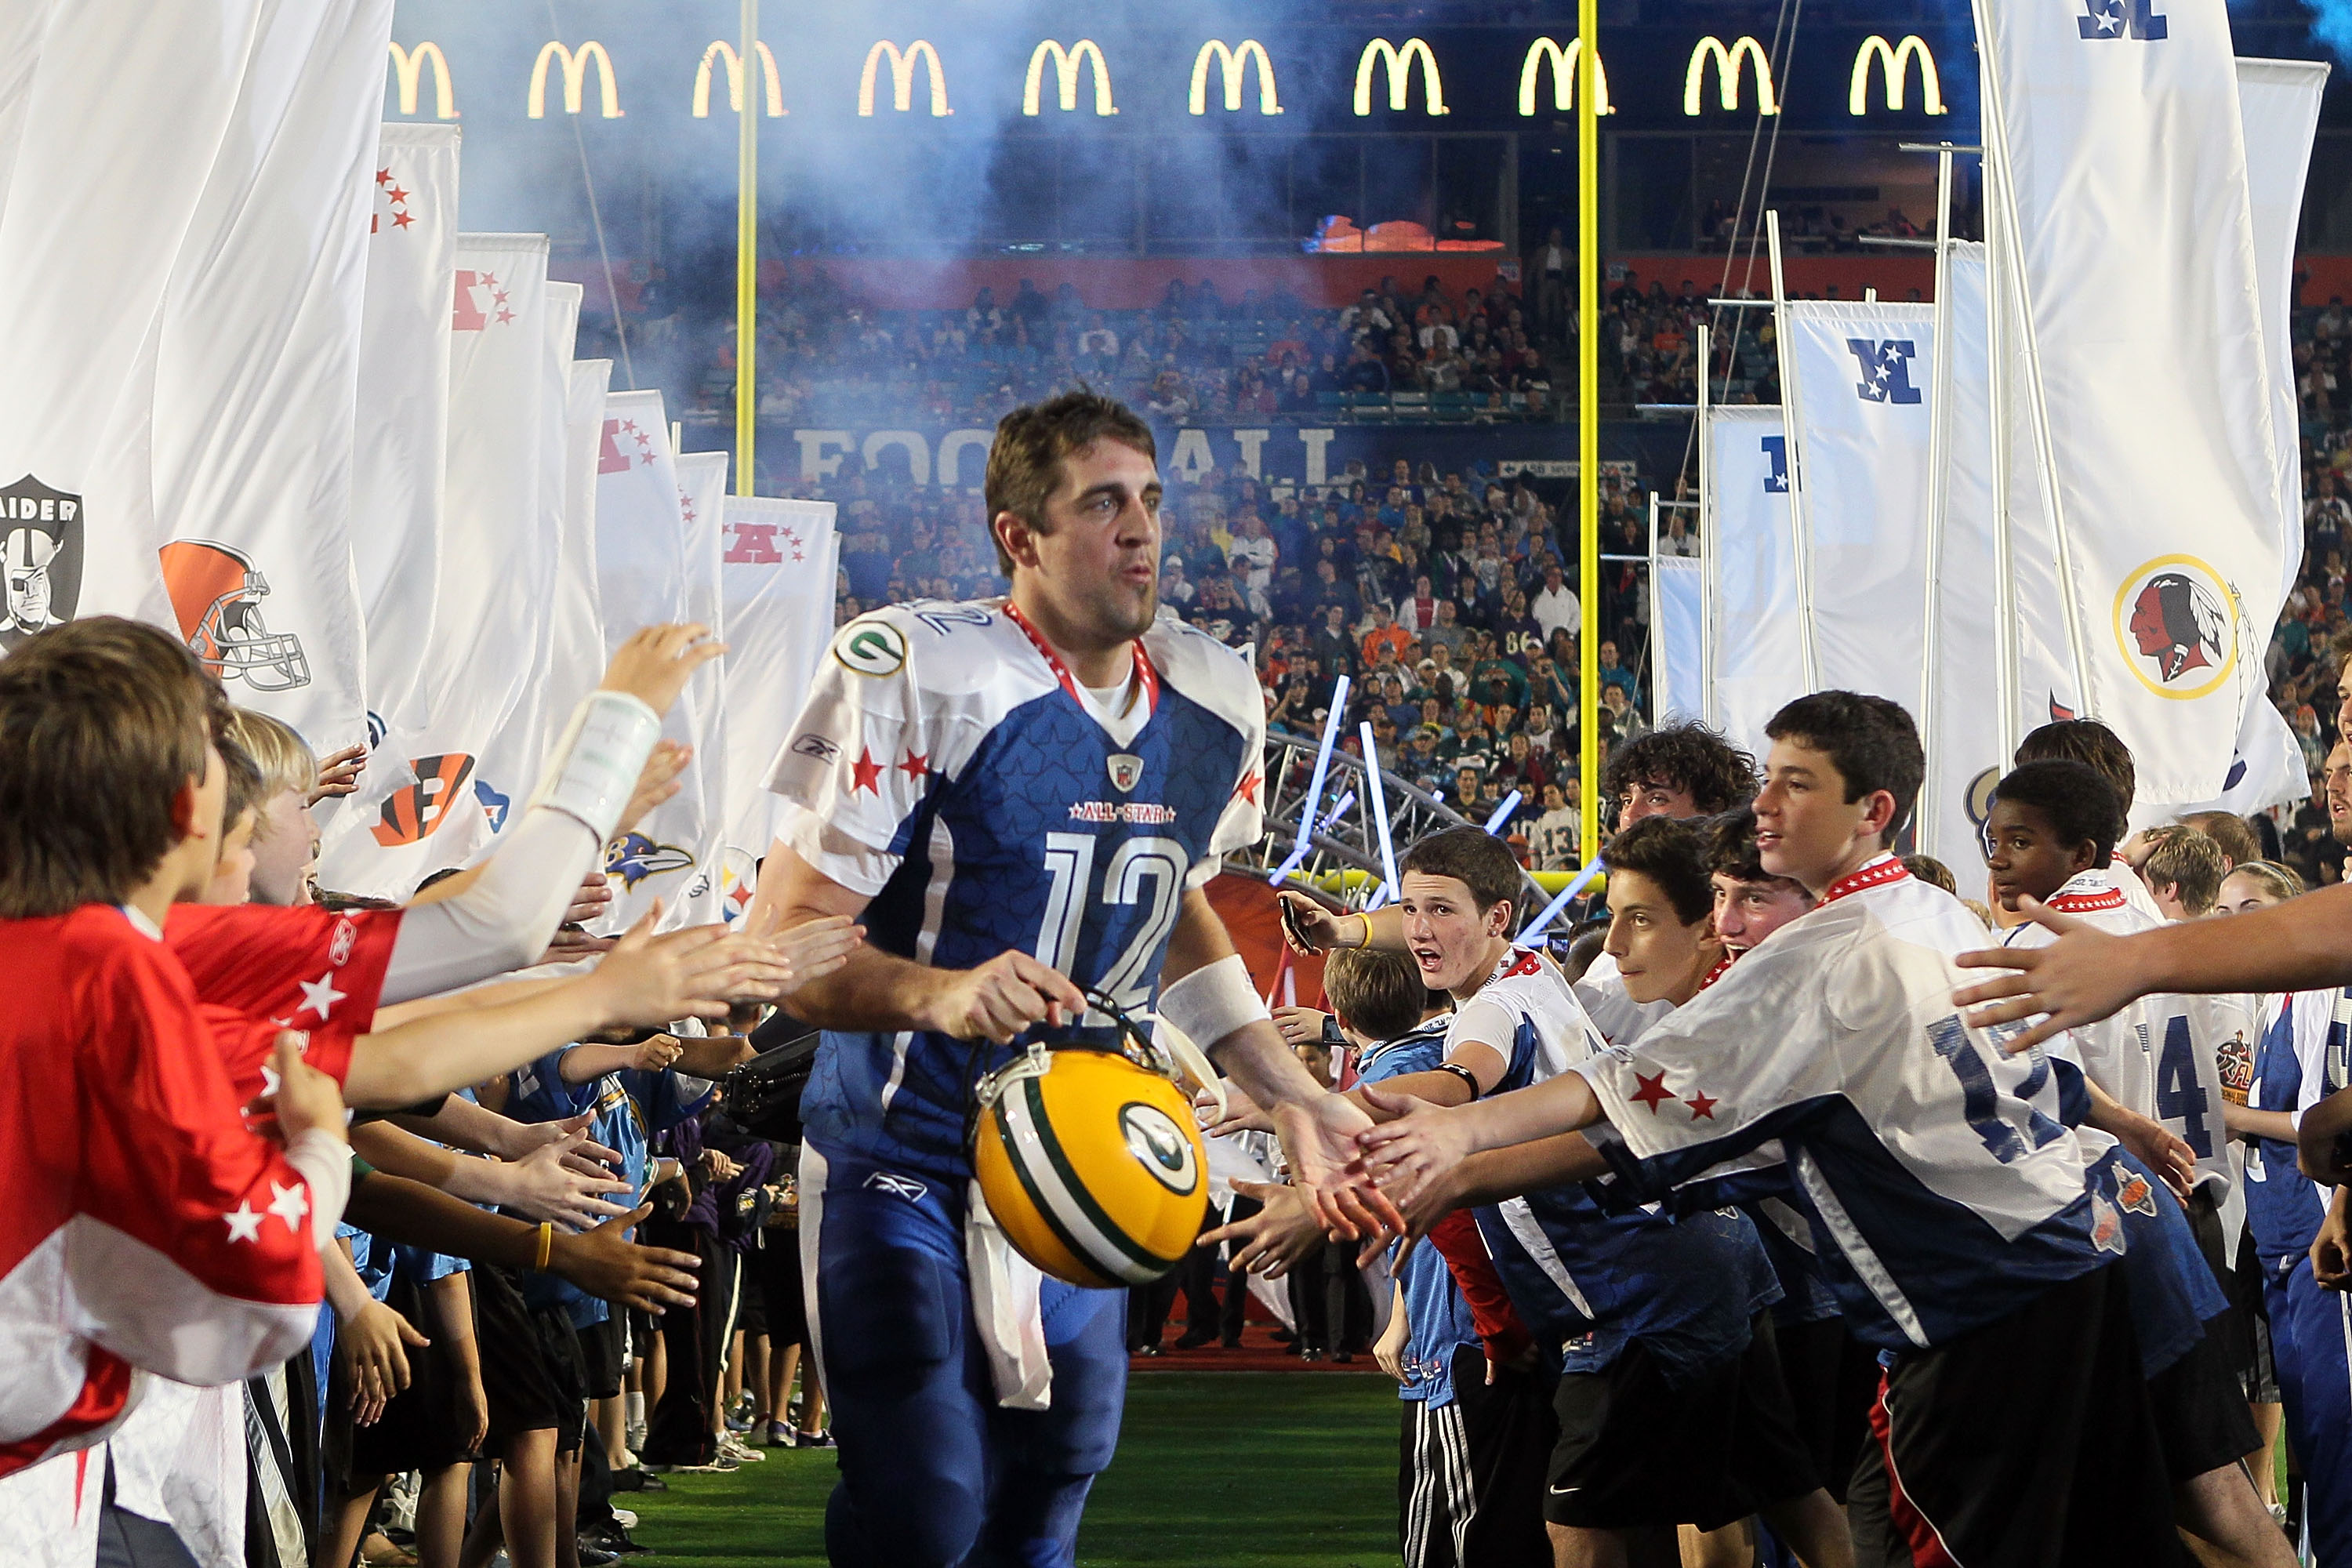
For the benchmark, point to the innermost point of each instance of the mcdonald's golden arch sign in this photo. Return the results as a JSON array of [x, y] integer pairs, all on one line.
[[902, 77], [1893, 60], [1545, 51], [1231, 62], [1727, 63], [723, 51], [1066, 75], [408, 65], [575, 66], [1397, 63]]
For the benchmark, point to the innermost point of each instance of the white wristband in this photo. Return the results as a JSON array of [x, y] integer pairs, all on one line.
[[597, 762], [1214, 1001]]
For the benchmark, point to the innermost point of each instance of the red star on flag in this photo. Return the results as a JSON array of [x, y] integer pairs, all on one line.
[[402, 220], [1701, 1106], [489, 280], [915, 767], [1653, 1091], [868, 771], [383, 177], [398, 194], [506, 315]]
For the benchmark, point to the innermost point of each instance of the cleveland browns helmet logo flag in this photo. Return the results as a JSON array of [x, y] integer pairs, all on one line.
[[216, 594], [414, 812]]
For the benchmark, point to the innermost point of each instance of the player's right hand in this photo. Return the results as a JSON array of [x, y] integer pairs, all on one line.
[[653, 664], [1241, 1113], [1010, 993], [1306, 925]]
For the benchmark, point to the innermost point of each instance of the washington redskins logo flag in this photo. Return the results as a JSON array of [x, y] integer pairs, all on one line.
[[2176, 622]]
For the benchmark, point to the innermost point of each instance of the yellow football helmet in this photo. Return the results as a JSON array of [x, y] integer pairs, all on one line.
[[1090, 1161]]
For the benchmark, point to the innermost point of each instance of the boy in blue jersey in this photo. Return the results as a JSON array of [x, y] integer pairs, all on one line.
[[1024, 800], [1951, 1212]]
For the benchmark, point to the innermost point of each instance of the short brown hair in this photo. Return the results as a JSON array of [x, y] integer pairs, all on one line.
[[1378, 995], [245, 792], [1024, 462], [2186, 861], [102, 722], [2229, 830], [1932, 871], [1473, 856]]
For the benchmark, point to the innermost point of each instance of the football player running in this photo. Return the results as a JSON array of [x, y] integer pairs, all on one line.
[[1023, 800]]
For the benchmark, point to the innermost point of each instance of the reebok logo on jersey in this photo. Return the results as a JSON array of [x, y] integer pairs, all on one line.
[[897, 1185], [813, 744]]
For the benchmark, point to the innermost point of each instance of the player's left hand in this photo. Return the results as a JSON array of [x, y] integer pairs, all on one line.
[[1406, 1154], [1277, 1238], [1320, 1136], [1241, 1113], [339, 774], [2085, 975]]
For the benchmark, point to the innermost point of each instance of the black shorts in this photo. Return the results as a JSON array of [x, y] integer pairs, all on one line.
[[559, 1347], [2030, 1441], [1832, 1381], [781, 1295], [602, 1358], [2257, 1372], [523, 1395], [419, 1430], [1636, 1450]]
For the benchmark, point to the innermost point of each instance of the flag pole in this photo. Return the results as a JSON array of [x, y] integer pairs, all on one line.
[[747, 247], [1939, 424], [1588, 417], [1659, 694], [1800, 528], [1709, 709]]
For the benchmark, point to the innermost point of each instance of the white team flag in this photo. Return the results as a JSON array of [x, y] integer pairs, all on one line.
[[399, 457], [2151, 389], [257, 376], [778, 576], [1858, 406], [701, 502], [429, 807], [641, 577], [2278, 106], [1756, 631], [575, 660], [1678, 638], [142, 93]]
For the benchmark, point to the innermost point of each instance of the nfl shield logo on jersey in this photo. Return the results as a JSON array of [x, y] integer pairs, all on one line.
[[1125, 770]]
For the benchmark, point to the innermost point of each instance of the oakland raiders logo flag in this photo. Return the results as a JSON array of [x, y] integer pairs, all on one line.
[[41, 551]]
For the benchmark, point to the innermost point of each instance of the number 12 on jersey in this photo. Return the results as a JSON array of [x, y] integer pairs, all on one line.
[[1134, 907]]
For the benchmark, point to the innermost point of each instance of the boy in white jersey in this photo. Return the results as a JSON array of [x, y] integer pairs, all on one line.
[[1951, 1212]]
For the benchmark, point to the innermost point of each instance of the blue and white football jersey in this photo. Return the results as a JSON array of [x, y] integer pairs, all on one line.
[[1585, 1279], [1437, 1320], [1943, 1188], [948, 767], [2284, 1206], [2161, 1056]]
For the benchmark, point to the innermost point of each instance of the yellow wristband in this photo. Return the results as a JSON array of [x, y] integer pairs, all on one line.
[[546, 1246]]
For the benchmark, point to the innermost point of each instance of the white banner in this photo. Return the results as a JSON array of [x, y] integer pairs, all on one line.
[[576, 638], [257, 376], [429, 807], [142, 93], [2278, 109], [1760, 656], [399, 458], [778, 576], [1861, 438], [701, 503], [1678, 638], [641, 578], [2116, 124]]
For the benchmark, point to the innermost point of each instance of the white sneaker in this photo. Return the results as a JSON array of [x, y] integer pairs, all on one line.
[[742, 1453], [635, 1436], [624, 1518]]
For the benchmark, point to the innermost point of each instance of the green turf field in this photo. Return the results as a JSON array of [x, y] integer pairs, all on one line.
[[1274, 1469]]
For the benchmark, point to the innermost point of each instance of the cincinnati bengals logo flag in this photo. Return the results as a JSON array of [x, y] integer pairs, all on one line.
[[413, 812]]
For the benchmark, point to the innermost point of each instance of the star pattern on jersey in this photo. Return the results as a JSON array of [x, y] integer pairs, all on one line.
[[916, 766], [1652, 1090], [868, 772], [1701, 1106], [1247, 789], [288, 1204], [319, 995], [243, 1224]]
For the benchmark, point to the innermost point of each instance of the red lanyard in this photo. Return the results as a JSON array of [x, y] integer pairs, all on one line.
[[1886, 868], [1143, 671]]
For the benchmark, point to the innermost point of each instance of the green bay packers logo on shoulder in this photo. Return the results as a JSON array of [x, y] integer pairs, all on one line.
[[2176, 624], [871, 648], [1160, 1146]]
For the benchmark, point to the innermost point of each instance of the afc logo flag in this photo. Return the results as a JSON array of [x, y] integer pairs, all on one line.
[[1885, 369]]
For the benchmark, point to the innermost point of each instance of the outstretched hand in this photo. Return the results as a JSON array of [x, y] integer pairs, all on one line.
[[2085, 975], [339, 774], [1407, 1154], [1275, 1240], [653, 664], [1320, 1136]]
